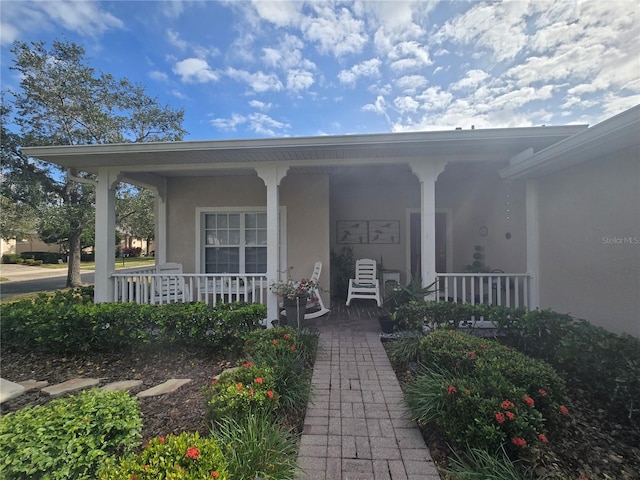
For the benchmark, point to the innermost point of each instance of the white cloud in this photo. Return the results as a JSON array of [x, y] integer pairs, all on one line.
[[84, 18], [472, 80], [409, 84], [258, 81], [175, 40], [434, 98], [406, 104], [281, 13], [368, 68], [499, 27], [158, 76], [335, 31], [379, 107], [256, 122], [195, 70], [260, 105], [409, 55], [299, 80]]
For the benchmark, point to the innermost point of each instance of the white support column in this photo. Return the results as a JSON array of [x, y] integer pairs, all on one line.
[[272, 175], [161, 222], [427, 173], [533, 242], [105, 235]]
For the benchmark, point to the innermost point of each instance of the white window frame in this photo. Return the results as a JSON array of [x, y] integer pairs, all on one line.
[[200, 231]]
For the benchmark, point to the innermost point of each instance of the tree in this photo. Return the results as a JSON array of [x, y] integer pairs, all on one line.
[[135, 214], [63, 101]]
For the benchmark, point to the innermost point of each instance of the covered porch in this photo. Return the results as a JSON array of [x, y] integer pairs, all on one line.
[[438, 194]]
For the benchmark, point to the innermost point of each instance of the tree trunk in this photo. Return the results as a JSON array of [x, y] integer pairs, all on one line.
[[73, 272]]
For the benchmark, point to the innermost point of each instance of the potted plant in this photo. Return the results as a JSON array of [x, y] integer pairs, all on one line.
[[294, 296]]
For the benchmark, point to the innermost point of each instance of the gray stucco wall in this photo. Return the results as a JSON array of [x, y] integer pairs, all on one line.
[[590, 242]]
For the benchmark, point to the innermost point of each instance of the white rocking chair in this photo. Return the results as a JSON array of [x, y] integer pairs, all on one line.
[[315, 306], [366, 285], [170, 287]]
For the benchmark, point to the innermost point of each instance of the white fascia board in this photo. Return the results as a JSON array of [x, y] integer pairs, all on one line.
[[616, 133]]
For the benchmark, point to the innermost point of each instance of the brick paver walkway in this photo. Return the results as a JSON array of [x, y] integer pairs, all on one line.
[[355, 426]]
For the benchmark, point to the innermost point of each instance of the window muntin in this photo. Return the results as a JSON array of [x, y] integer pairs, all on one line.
[[235, 242]]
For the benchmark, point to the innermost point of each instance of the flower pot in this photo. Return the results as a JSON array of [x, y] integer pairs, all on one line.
[[295, 309], [386, 324]]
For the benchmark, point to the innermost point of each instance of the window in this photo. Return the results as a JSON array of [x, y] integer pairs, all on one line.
[[235, 242]]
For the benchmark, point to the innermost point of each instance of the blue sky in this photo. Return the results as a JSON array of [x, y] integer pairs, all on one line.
[[245, 69]]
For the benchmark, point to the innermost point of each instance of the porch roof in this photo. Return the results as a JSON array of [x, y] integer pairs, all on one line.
[[173, 158], [616, 134]]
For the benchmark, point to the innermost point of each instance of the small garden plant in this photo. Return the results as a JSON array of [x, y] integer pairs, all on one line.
[[68, 438]]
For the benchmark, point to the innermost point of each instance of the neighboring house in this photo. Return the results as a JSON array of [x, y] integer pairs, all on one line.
[[236, 213]]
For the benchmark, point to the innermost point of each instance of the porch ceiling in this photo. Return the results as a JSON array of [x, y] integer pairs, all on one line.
[[238, 157]]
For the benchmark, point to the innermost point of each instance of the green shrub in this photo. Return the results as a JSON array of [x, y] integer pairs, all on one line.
[[182, 457], [10, 258], [44, 257], [256, 447], [287, 352], [482, 393], [71, 322], [68, 438], [240, 392]]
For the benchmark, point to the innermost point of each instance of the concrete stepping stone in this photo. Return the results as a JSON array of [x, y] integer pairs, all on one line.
[[70, 386], [9, 390], [122, 385], [167, 387], [33, 384]]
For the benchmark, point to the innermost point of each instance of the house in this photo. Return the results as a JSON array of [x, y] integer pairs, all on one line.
[[538, 209]]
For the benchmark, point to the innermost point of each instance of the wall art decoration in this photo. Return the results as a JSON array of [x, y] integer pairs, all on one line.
[[384, 231], [352, 231]]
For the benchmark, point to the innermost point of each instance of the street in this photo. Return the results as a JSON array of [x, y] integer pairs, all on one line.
[[26, 279]]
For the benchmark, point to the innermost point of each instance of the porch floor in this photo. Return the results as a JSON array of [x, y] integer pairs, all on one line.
[[356, 426]]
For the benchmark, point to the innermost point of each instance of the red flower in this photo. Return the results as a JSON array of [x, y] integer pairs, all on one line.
[[193, 453], [507, 405], [214, 381], [292, 348], [215, 475], [239, 386], [529, 401], [270, 394], [251, 392], [287, 336], [500, 418], [542, 392], [510, 415], [160, 439], [451, 390], [472, 355], [248, 365], [518, 442], [543, 438], [258, 380], [275, 342], [564, 410]]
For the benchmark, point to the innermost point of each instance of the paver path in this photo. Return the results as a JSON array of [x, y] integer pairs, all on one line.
[[355, 426]]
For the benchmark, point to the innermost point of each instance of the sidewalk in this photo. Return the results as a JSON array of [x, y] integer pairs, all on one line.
[[355, 427], [19, 273]]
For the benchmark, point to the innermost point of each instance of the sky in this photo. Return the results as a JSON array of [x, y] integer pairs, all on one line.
[[250, 69]]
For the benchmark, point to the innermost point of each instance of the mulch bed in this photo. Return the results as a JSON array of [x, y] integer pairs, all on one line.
[[179, 411], [598, 444]]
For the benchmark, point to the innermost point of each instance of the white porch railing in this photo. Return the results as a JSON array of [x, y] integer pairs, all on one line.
[[144, 286], [504, 289]]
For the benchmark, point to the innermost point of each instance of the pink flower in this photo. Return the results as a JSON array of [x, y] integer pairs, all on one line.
[[507, 405], [542, 392], [510, 415], [258, 380], [543, 438], [451, 390], [529, 401], [500, 418], [564, 410], [287, 336], [269, 394]]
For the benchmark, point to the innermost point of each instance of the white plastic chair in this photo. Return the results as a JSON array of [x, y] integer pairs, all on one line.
[[170, 287], [315, 306], [366, 285]]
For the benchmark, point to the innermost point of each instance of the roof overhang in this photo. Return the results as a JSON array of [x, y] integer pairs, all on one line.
[[598, 143], [176, 158]]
